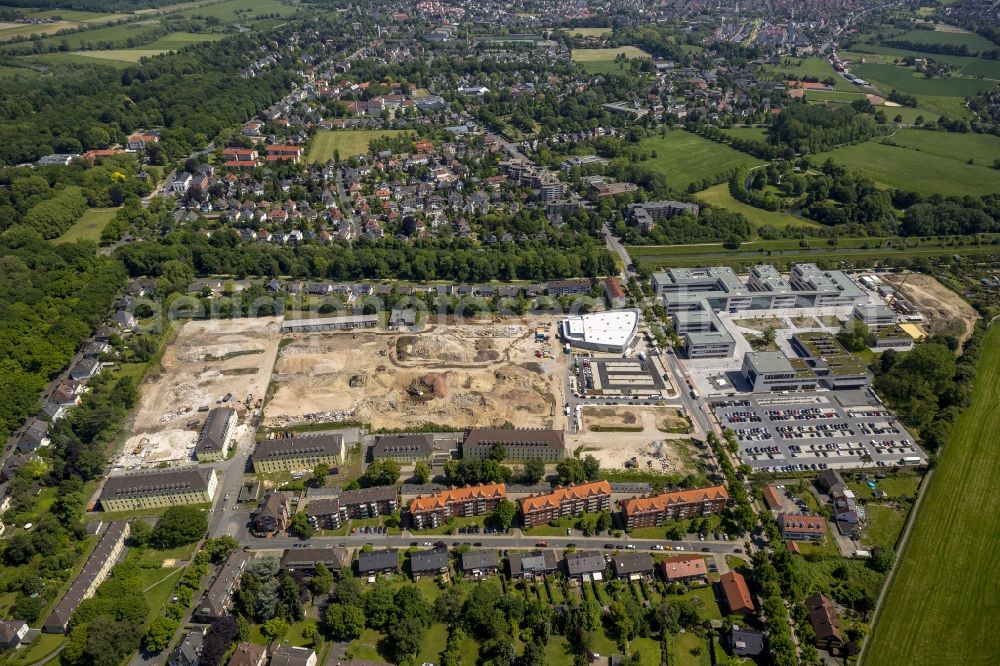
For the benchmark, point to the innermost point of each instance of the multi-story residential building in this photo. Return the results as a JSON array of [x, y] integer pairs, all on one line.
[[434, 510], [300, 452], [158, 488], [368, 502], [680, 569], [213, 441], [521, 444], [674, 505], [215, 603], [283, 154], [802, 526], [569, 501], [94, 572], [404, 448]]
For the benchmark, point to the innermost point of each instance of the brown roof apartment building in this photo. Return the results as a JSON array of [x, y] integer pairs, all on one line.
[[569, 501], [521, 444], [675, 505], [802, 526], [477, 500]]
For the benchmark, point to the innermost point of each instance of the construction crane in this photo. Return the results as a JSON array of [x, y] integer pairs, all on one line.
[[899, 289]]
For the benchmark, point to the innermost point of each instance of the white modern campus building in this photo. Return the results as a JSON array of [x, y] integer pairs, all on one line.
[[611, 331]]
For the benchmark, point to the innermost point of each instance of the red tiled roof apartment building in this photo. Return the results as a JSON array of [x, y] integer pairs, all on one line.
[[283, 153], [676, 505], [435, 509], [802, 526], [569, 501]]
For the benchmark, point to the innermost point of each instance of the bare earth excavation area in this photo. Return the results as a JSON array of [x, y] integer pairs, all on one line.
[[208, 361], [462, 375], [945, 310]]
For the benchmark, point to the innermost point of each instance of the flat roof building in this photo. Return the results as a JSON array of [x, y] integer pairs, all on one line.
[[344, 322], [306, 559], [611, 331], [158, 488], [299, 452]]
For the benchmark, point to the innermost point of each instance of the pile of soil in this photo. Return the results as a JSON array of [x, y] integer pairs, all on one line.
[[436, 384]]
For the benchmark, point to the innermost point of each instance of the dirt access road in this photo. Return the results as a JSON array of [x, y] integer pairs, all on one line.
[[946, 311]]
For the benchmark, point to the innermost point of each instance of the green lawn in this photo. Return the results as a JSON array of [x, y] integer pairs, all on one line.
[[43, 646], [348, 142], [921, 163], [557, 651], [718, 195], [707, 596], [685, 158], [602, 61], [884, 526], [942, 602], [690, 650], [942, 38], [244, 11], [752, 133], [434, 644], [89, 226], [648, 650], [365, 646]]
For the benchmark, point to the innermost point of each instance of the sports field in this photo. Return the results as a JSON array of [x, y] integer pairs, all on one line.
[[719, 196], [942, 605], [685, 158], [89, 226], [348, 142], [602, 61], [926, 162]]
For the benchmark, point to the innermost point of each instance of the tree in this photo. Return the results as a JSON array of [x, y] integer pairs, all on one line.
[[855, 335], [570, 470], [381, 472], [591, 468], [139, 533], [379, 605], [498, 453], [421, 472], [275, 628], [300, 526], [406, 636], [320, 473], [222, 634], [503, 515], [604, 521], [344, 622], [179, 525], [220, 548], [532, 471], [322, 580]]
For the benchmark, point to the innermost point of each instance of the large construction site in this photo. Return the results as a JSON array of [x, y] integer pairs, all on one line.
[[458, 375], [208, 364], [461, 375]]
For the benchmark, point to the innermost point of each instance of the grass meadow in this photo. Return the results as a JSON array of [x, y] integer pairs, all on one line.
[[602, 61], [942, 601], [348, 142], [926, 162], [685, 158]]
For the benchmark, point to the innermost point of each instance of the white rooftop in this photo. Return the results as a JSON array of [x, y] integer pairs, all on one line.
[[613, 328]]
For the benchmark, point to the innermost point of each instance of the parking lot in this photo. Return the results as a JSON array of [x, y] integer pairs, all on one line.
[[615, 378], [815, 431]]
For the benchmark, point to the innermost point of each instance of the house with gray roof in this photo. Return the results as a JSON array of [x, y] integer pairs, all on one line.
[[585, 565], [429, 562], [378, 561], [535, 563]]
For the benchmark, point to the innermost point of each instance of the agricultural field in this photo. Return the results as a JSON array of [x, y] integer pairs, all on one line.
[[239, 10], [349, 143], [602, 61], [685, 158], [718, 195], [948, 38], [909, 115], [921, 162], [89, 226], [171, 42], [935, 614], [887, 77]]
